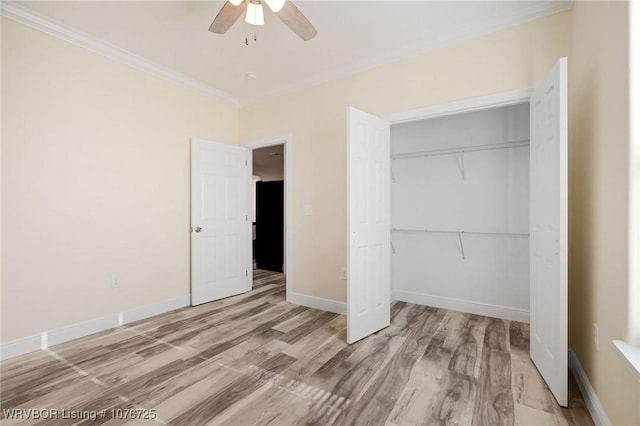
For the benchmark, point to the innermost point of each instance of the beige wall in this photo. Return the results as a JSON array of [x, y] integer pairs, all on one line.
[[95, 181], [511, 59], [599, 158]]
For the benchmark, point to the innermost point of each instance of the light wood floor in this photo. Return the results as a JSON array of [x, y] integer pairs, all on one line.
[[255, 359]]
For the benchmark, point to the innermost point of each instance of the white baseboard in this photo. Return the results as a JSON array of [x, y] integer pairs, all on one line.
[[147, 311], [20, 346], [591, 400], [75, 331], [317, 303], [477, 308], [65, 334]]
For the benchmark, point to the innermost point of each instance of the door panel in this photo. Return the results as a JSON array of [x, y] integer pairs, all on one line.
[[548, 233], [220, 256], [368, 269]]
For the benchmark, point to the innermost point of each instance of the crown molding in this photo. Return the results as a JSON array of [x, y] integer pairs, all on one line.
[[14, 12], [537, 10], [500, 22]]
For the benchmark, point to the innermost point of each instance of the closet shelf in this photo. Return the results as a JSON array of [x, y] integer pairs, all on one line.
[[459, 234], [462, 149], [470, 233]]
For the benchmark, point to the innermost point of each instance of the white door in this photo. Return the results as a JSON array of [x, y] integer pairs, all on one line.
[[220, 237], [549, 247], [369, 227]]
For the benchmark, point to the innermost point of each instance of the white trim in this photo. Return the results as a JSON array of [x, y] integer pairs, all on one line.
[[251, 197], [503, 99], [75, 331], [486, 309], [633, 323], [499, 23], [288, 200], [317, 303], [20, 346], [154, 309], [591, 400], [16, 13], [270, 141], [631, 354]]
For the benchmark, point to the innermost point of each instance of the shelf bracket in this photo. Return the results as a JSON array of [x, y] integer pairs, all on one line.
[[462, 164], [393, 248], [393, 177], [461, 245]]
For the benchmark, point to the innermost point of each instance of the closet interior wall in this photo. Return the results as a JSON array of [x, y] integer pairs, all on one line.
[[460, 212]]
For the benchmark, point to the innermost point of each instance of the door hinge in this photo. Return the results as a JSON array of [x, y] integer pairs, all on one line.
[[246, 272], [246, 217], [246, 162]]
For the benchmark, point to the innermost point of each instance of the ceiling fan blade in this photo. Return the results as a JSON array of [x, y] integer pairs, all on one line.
[[295, 20], [227, 16]]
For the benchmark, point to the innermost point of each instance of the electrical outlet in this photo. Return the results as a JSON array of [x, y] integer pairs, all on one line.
[[115, 280], [307, 210], [596, 336], [343, 273]]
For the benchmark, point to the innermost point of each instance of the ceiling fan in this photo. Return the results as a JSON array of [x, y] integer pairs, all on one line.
[[284, 9]]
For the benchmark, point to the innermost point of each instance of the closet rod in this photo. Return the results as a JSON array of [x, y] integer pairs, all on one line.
[[482, 234], [448, 151]]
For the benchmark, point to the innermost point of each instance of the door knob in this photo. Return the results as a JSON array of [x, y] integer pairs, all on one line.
[[197, 229]]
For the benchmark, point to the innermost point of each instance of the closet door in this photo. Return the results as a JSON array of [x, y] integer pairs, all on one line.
[[369, 226], [548, 233]]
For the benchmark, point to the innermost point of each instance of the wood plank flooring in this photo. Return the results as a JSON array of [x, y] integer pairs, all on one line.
[[255, 359]]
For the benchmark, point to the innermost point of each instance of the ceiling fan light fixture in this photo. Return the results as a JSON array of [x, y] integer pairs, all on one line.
[[275, 5], [285, 10], [255, 14]]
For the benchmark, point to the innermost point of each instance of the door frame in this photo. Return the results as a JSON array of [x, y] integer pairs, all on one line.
[[288, 184], [513, 97]]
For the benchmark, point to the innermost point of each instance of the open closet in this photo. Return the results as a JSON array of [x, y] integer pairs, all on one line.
[[459, 198], [464, 206]]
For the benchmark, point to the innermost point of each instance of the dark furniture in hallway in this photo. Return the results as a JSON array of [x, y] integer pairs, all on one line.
[[269, 242]]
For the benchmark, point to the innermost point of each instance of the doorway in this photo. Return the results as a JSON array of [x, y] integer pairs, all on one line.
[[268, 208], [460, 212], [271, 212]]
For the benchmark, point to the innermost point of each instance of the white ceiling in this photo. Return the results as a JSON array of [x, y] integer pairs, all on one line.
[[352, 36]]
